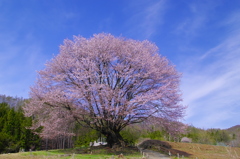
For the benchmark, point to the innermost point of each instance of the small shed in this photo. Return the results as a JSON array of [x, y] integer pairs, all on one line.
[[186, 139]]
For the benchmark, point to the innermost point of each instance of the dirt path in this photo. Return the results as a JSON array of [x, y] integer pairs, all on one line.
[[154, 155], [149, 154]]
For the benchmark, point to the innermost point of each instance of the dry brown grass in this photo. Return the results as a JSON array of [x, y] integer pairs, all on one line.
[[191, 150], [202, 151]]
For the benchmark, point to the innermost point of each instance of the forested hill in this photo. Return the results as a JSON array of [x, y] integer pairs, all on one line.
[[12, 101], [235, 128], [235, 132]]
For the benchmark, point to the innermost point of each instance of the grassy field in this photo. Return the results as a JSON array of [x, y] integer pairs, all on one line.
[[200, 151], [189, 150], [99, 153], [45, 155]]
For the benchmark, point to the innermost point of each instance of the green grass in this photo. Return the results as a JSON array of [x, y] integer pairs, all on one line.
[[102, 153]]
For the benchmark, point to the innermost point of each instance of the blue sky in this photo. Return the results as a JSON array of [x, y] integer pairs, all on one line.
[[200, 37]]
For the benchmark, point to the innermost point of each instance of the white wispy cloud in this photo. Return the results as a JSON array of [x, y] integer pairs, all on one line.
[[146, 17], [198, 17], [18, 63], [211, 86]]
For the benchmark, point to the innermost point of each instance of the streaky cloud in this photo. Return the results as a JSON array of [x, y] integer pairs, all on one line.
[[213, 89], [146, 18]]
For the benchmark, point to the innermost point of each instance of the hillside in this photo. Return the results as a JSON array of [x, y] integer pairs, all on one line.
[[235, 128], [234, 132], [192, 150], [12, 101]]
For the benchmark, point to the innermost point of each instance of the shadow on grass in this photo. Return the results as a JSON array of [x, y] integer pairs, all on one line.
[[162, 147], [105, 150]]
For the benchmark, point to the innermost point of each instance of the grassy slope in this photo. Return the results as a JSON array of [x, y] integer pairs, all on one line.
[[67, 154], [202, 151], [190, 150], [38, 156]]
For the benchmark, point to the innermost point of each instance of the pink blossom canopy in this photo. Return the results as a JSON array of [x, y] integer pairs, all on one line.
[[105, 82]]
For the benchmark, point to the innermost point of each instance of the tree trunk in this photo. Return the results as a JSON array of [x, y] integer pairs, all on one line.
[[114, 138]]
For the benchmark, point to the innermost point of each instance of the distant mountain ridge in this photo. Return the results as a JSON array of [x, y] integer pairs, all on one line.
[[234, 128], [234, 131], [12, 101]]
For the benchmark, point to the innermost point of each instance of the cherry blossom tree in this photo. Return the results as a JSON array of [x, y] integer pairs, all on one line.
[[105, 83]]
